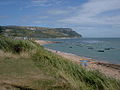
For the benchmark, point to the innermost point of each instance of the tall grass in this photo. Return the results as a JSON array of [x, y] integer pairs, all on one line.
[[16, 46], [76, 77]]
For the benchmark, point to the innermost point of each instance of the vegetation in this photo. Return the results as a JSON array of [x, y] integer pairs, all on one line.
[[34, 68], [39, 32], [1, 30], [16, 46]]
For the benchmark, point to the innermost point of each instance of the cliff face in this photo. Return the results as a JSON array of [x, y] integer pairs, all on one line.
[[39, 32]]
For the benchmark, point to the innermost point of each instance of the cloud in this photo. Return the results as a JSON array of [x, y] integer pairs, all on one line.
[[58, 12], [40, 3], [89, 13], [67, 11], [38, 22], [43, 3]]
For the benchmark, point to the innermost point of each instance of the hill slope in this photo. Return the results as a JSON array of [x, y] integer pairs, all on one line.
[[39, 32], [31, 67]]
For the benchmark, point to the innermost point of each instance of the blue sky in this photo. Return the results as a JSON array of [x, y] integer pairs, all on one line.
[[91, 18]]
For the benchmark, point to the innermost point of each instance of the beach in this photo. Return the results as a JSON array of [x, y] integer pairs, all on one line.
[[111, 70], [42, 42]]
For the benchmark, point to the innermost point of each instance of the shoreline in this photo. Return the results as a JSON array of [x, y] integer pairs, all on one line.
[[109, 69], [43, 42]]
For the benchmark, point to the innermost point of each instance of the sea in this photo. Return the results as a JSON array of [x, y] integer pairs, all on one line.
[[101, 49]]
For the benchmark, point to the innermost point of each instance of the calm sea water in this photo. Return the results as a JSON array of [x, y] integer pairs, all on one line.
[[102, 49]]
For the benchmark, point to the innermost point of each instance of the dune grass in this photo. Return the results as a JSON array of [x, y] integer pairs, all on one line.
[[16, 46], [43, 70], [74, 74]]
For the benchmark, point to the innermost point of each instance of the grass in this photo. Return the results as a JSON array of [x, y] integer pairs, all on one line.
[[16, 46], [74, 74], [37, 69]]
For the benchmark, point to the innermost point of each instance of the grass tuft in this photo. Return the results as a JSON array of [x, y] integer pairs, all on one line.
[[16, 46]]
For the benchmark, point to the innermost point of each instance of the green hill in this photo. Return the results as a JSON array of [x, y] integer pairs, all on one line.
[[39, 32], [24, 65]]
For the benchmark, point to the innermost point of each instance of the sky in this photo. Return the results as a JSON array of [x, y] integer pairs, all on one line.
[[91, 18]]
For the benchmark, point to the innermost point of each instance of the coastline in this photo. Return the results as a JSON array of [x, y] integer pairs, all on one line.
[[43, 42], [111, 70]]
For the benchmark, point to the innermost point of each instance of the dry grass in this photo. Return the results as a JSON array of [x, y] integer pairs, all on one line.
[[15, 56]]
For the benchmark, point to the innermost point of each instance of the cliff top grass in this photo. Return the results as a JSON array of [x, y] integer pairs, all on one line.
[[38, 32], [31, 67]]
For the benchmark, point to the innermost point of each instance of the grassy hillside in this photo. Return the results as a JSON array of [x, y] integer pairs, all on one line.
[[39, 32], [34, 68]]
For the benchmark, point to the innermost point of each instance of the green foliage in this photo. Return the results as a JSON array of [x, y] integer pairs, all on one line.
[[16, 46], [1, 29]]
